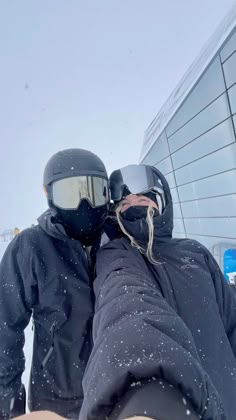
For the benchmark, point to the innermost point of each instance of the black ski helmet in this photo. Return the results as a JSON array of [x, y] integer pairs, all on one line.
[[84, 222], [72, 162]]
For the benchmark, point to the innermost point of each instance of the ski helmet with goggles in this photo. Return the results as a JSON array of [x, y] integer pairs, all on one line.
[[137, 179], [76, 184]]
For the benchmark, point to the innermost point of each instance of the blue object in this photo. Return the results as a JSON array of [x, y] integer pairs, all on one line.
[[230, 265]]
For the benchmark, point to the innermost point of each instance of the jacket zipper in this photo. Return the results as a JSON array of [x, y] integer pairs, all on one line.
[[46, 358]]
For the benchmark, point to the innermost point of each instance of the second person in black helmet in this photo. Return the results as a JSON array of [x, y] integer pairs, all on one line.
[[165, 320], [46, 272]]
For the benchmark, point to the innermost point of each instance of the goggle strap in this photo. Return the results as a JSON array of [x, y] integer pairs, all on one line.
[[160, 197]]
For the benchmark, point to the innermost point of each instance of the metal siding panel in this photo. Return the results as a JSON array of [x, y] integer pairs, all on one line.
[[177, 211], [165, 166], [229, 68], [174, 194], [229, 48], [209, 87], [224, 206], [232, 99], [158, 151], [208, 118], [220, 161], [209, 187], [171, 180], [234, 119], [218, 137], [222, 227], [178, 235], [179, 226]]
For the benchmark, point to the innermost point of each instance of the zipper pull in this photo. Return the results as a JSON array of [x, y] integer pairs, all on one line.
[[45, 360], [52, 328]]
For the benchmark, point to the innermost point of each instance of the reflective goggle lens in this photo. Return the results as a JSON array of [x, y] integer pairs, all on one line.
[[67, 193], [137, 179]]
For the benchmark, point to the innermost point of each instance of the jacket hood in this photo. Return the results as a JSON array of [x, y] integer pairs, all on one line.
[[48, 223], [134, 218], [163, 223]]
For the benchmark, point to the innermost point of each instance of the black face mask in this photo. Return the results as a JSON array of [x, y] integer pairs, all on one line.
[[134, 221], [134, 213], [84, 224]]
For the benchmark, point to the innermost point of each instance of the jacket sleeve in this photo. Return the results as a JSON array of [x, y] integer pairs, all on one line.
[[15, 312], [155, 400], [138, 336], [226, 298]]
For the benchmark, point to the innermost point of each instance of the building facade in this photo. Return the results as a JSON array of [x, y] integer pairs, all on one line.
[[192, 140]]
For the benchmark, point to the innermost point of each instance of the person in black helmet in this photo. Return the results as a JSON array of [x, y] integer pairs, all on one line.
[[164, 326], [46, 272]]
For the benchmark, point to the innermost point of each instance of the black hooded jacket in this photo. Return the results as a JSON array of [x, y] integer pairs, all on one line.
[[169, 329], [46, 274]]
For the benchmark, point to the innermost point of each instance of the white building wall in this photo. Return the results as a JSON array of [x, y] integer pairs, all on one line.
[[196, 152]]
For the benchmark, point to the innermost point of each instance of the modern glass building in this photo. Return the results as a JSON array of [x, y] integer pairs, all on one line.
[[192, 141]]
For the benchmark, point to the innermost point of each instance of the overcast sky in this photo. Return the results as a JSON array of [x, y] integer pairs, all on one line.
[[88, 74]]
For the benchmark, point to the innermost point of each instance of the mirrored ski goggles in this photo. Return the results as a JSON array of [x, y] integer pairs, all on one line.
[[67, 193], [133, 179]]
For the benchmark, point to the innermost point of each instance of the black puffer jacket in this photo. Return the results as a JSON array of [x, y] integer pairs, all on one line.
[[173, 324], [45, 273]]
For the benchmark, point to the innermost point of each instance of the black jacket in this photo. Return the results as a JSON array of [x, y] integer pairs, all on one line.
[[173, 324], [45, 273]]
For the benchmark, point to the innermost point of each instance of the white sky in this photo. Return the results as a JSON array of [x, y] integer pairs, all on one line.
[[89, 74]]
